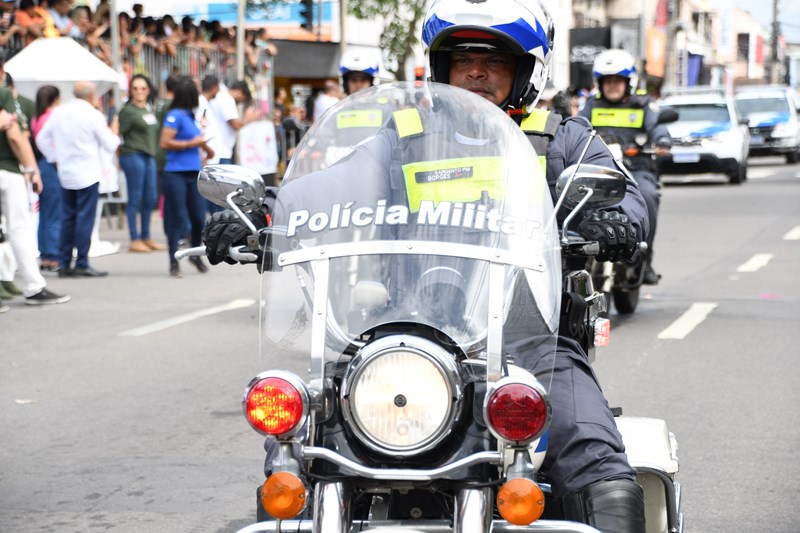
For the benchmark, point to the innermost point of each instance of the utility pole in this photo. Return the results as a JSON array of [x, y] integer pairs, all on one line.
[[774, 65], [643, 46], [115, 53], [343, 8], [670, 59], [240, 21]]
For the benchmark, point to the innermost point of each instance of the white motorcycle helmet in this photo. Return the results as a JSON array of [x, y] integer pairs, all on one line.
[[615, 63], [357, 61], [520, 27]]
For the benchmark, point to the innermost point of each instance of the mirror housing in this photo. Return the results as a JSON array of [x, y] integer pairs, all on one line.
[[608, 185], [666, 116], [217, 182]]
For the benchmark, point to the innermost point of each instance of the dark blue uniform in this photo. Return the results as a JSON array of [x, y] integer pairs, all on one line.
[[584, 443]]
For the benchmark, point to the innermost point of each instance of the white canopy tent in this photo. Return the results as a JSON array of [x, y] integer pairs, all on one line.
[[60, 62]]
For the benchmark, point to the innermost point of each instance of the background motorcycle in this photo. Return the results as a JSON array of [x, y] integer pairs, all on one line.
[[619, 280]]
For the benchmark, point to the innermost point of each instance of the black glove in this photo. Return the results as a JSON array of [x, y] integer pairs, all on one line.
[[225, 229], [618, 238]]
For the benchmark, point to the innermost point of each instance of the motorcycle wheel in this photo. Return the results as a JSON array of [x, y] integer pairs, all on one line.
[[625, 301]]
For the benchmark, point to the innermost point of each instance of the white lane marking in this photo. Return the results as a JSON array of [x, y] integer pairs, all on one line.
[[687, 321], [164, 324], [793, 234], [755, 262]]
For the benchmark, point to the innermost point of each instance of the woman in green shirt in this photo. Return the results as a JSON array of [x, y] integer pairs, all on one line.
[[139, 129]]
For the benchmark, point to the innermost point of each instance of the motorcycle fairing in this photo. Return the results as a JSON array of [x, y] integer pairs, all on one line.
[[379, 242]]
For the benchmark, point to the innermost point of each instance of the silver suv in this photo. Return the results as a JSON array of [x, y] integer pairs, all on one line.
[[772, 113]]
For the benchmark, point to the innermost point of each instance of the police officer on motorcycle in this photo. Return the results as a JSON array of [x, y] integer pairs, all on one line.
[[357, 70], [620, 111], [501, 50]]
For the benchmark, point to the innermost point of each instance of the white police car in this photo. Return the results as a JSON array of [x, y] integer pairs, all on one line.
[[708, 137], [772, 113]]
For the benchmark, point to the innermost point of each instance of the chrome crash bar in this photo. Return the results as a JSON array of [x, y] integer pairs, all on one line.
[[420, 526], [400, 474]]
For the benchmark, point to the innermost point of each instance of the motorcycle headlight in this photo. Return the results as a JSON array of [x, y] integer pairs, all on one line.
[[401, 394]]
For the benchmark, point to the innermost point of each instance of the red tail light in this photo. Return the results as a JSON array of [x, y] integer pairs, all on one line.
[[275, 406], [517, 412]]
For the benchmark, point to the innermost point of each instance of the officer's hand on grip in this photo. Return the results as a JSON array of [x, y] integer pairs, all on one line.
[[225, 229], [617, 237]]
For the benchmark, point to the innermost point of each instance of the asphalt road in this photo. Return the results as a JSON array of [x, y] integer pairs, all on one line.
[[120, 410]]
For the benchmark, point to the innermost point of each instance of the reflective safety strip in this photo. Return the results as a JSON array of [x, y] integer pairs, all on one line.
[[543, 164], [536, 121], [454, 180], [408, 122], [617, 118], [362, 118]]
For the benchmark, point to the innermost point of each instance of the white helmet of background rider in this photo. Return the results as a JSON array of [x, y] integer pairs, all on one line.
[[520, 27], [357, 61], [615, 63]]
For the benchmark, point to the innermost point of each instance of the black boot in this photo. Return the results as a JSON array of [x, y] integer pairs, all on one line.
[[651, 277], [615, 506]]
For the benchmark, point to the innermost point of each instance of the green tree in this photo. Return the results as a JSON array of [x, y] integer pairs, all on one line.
[[400, 27]]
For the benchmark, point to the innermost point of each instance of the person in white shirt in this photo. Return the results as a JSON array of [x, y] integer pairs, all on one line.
[[229, 122], [226, 112], [73, 138], [326, 99], [206, 117]]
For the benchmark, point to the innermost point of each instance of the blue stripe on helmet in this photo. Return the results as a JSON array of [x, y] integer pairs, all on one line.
[[625, 73], [432, 27], [519, 30], [525, 35], [372, 71]]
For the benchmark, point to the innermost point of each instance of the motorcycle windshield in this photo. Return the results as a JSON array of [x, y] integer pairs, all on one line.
[[438, 222]]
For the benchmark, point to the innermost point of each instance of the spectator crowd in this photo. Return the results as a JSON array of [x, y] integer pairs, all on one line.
[[192, 45], [173, 121]]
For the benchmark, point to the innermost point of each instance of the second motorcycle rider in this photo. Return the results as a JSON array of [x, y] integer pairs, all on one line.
[[620, 110], [501, 50]]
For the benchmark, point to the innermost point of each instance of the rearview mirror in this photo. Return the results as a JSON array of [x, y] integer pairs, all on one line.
[[217, 182], [666, 116], [608, 186]]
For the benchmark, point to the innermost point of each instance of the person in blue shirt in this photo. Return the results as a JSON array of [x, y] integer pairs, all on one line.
[[186, 150]]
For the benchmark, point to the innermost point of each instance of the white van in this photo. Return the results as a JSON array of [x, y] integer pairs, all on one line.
[[772, 113]]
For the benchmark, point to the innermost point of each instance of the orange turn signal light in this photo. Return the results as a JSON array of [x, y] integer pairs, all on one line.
[[520, 502], [283, 495], [631, 151]]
